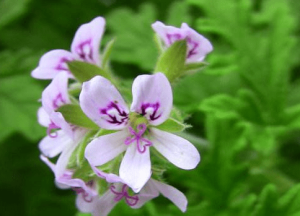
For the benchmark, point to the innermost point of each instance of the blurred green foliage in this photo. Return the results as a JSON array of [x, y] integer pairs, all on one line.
[[246, 103]]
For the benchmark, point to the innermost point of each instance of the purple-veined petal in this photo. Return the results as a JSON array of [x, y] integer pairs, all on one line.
[[148, 192], [177, 150], [152, 97], [58, 119], [86, 42], [43, 117], [198, 46], [135, 169], [176, 196], [63, 159], [53, 63], [103, 104], [169, 34], [52, 146], [105, 148], [56, 93], [105, 204]]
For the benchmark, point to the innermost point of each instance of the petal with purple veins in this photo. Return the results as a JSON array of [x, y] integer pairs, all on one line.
[[152, 97], [56, 93], [103, 104], [53, 63], [86, 42]]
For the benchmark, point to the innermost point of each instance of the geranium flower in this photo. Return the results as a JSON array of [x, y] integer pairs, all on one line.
[[85, 47], [198, 46], [152, 189], [151, 106]]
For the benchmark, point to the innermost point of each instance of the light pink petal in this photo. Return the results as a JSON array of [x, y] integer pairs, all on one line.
[[76, 183], [177, 150], [176, 196], [152, 97], [86, 42], [198, 46], [105, 204], [103, 104], [58, 119], [43, 117], [109, 177], [84, 206], [105, 148], [56, 94], [63, 160], [51, 147], [135, 169], [53, 63], [168, 34], [48, 162], [148, 192]]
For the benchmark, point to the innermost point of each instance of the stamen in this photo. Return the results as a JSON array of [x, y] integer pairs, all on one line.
[[50, 128], [85, 195], [130, 200], [138, 137]]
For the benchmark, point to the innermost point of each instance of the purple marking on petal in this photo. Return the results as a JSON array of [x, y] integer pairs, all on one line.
[[130, 200], [153, 116], [138, 137], [62, 64], [113, 119], [85, 50], [194, 46], [58, 101], [50, 128], [173, 37], [85, 195]]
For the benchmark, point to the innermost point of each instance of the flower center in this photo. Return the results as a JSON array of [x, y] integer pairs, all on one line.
[[137, 136], [114, 114], [130, 200], [85, 195]]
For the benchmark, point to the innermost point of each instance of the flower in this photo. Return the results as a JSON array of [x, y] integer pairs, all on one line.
[[85, 47], [152, 189], [151, 106], [198, 46]]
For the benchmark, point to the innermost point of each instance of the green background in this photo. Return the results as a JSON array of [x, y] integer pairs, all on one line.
[[244, 107]]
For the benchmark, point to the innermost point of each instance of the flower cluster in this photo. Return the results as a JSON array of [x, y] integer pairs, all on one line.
[[104, 146]]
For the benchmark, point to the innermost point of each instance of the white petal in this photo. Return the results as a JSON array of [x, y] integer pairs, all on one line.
[[177, 150], [51, 147], [198, 45], [105, 204], [152, 97], [53, 63], [58, 119], [135, 169], [105, 148], [102, 103], [109, 177], [86, 42], [48, 162], [56, 94], [43, 117], [63, 159], [176, 196], [84, 206], [148, 192]]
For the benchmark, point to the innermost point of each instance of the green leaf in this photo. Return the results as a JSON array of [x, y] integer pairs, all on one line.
[[19, 95], [172, 61], [172, 125], [195, 66], [74, 115], [84, 71]]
